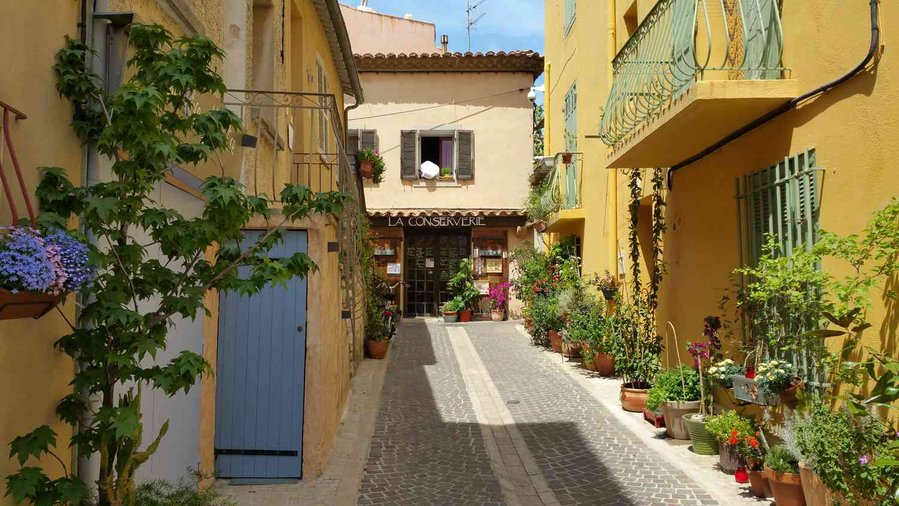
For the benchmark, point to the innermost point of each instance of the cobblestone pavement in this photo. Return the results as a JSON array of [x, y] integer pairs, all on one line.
[[558, 444]]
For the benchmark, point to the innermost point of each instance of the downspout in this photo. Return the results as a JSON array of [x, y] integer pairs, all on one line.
[[547, 109], [612, 183], [792, 104]]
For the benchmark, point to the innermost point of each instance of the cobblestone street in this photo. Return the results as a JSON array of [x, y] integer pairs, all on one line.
[[474, 414]]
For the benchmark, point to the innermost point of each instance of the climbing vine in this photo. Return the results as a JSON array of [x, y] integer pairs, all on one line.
[[658, 230]]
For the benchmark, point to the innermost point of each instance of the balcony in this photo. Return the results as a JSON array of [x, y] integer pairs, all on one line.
[[563, 199], [706, 67]]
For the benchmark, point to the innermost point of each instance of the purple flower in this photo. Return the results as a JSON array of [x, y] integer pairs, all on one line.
[[864, 459], [24, 262], [73, 260]]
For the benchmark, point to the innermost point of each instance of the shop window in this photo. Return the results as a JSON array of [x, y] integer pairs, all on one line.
[[451, 151]]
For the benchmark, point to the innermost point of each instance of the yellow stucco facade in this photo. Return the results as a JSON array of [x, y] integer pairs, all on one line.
[[852, 129]]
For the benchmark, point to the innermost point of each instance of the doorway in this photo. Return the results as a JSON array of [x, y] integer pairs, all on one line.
[[431, 259]]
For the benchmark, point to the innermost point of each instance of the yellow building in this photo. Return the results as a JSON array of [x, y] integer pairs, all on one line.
[[297, 59], [795, 99]]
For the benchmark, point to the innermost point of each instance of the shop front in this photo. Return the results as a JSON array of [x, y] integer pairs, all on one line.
[[419, 251]]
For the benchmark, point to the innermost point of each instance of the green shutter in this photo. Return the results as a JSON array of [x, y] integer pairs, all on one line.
[[465, 153], [569, 112], [409, 154], [569, 15]]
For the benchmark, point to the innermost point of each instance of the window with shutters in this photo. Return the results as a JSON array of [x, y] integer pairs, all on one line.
[[451, 152], [569, 113], [569, 15], [323, 134], [781, 200]]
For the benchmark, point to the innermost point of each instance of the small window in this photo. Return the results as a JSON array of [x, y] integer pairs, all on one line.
[[441, 151], [323, 133], [570, 11], [569, 111], [452, 152]]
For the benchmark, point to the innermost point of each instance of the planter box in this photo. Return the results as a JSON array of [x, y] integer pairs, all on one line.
[[747, 390], [657, 420], [26, 305]]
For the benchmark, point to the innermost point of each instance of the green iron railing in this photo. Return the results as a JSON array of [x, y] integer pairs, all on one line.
[[683, 41], [564, 191]]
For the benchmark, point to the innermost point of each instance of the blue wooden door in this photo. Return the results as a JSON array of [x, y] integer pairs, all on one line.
[[260, 376]]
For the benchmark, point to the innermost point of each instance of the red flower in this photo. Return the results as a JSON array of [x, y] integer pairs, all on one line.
[[732, 440], [753, 442]]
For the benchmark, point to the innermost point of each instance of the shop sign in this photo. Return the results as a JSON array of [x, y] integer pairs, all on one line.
[[437, 221]]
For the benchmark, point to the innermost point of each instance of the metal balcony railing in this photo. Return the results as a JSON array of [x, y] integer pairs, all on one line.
[[681, 42], [565, 181], [6, 144]]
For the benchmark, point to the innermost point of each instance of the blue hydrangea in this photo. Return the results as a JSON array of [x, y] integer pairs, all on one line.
[[73, 257], [24, 264]]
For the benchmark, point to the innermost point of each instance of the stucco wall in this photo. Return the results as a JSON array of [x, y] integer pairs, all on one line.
[[373, 32], [493, 105], [33, 375]]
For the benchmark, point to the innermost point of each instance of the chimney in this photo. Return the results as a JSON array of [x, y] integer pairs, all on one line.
[[444, 42]]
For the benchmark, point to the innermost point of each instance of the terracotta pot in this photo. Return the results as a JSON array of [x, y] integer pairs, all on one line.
[[497, 315], [566, 157], [605, 364], [674, 417], [366, 168], [589, 365], [571, 350], [728, 458], [465, 315], [633, 397], [528, 324], [376, 349], [788, 395], [555, 341], [786, 488], [704, 443], [758, 484], [450, 317], [26, 304], [816, 492]]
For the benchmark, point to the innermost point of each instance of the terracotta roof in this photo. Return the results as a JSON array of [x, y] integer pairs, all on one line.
[[512, 61], [406, 213]]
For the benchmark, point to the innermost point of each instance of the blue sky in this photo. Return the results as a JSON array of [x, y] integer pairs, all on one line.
[[507, 24]]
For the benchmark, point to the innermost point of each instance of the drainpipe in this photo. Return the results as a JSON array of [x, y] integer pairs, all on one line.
[[612, 184], [792, 104], [547, 101]]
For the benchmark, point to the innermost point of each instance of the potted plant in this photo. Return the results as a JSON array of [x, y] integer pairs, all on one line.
[[752, 451], [676, 393], [607, 284], [704, 443], [446, 173], [782, 469], [637, 358], [498, 296], [377, 330], [778, 380], [371, 165], [451, 310], [730, 430], [37, 270], [461, 285], [547, 321], [588, 358]]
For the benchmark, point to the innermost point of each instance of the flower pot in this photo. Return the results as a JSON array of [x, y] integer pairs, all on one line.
[[728, 458], [704, 443], [497, 315], [555, 341], [528, 324], [376, 349], [366, 168], [746, 389], [450, 317], [571, 350], [786, 488], [674, 417], [609, 293], [633, 397], [589, 365], [741, 476], [758, 484], [566, 157], [605, 364], [815, 491], [26, 304], [788, 395], [465, 315]]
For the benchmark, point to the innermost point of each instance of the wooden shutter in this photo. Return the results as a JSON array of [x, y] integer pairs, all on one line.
[[409, 154], [352, 148], [368, 139], [465, 150]]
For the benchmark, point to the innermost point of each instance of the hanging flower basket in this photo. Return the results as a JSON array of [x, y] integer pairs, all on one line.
[[371, 165], [366, 167], [26, 304]]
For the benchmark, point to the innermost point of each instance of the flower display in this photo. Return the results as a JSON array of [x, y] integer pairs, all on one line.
[[499, 295], [773, 376], [721, 371], [51, 264]]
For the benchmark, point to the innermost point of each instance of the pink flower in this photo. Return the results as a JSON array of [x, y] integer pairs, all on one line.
[[864, 459]]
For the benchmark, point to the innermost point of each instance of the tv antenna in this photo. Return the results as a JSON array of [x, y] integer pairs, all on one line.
[[469, 22]]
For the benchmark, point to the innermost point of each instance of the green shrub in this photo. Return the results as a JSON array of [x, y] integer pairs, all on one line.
[[587, 324], [546, 316], [678, 384], [183, 493], [730, 428], [780, 459]]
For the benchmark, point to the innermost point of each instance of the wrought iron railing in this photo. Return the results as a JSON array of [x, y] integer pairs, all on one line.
[[564, 184], [6, 144], [681, 42]]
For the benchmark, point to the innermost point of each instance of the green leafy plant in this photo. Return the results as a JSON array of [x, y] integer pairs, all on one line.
[[780, 460], [546, 316], [373, 156], [146, 126], [461, 284], [730, 428], [454, 305], [674, 385], [587, 324], [185, 492]]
